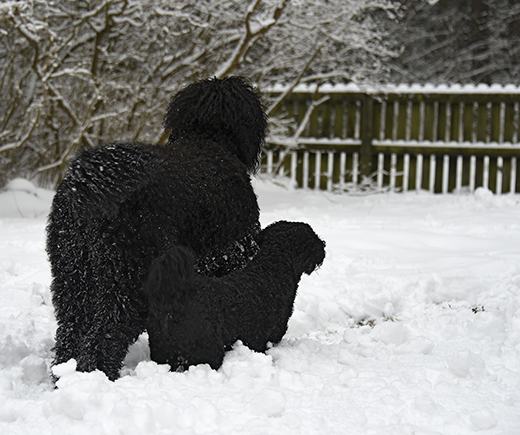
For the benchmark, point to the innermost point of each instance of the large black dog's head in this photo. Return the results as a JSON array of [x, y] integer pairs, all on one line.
[[226, 110], [297, 240]]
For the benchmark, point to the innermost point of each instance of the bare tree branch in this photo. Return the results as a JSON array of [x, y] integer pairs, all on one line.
[[104, 70]]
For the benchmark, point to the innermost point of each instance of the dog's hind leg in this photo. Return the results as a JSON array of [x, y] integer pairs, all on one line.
[[105, 345], [69, 310], [105, 350], [67, 342]]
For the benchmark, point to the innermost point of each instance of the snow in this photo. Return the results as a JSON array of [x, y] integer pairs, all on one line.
[[21, 198], [412, 325]]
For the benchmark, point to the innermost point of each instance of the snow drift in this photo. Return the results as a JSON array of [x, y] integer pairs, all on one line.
[[412, 325]]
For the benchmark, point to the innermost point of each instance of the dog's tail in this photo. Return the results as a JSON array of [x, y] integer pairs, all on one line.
[[101, 179], [170, 281]]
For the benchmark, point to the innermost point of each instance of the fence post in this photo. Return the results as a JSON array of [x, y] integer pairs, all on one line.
[[366, 136]]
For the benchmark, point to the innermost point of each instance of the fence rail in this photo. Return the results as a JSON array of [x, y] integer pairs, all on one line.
[[442, 139]]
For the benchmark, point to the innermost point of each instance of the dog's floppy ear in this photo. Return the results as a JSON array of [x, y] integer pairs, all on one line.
[[226, 110], [315, 255], [311, 247]]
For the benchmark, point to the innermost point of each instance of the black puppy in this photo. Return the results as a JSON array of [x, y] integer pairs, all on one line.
[[122, 205], [193, 319]]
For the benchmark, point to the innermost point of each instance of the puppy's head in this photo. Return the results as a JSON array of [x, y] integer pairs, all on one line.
[[227, 111], [297, 240]]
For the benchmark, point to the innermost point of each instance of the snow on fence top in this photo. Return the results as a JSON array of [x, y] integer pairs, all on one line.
[[401, 88]]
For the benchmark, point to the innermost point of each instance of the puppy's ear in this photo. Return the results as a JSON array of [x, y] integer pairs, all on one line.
[[311, 246], [316, 255]]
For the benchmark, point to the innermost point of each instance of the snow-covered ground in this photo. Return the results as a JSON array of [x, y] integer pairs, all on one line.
[[412, 326]]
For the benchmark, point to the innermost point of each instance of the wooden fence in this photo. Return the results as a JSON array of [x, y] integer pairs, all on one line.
[[442, 139]]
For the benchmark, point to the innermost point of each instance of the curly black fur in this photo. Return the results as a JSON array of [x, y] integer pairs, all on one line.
[[121, 205], [194, 319], [213, 109]]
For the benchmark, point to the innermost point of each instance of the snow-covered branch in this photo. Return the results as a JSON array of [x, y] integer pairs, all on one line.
[[251, 35], [105, 70]]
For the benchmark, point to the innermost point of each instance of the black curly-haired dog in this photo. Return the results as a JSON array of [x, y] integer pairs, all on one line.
[[194, 319], [122, 205]]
